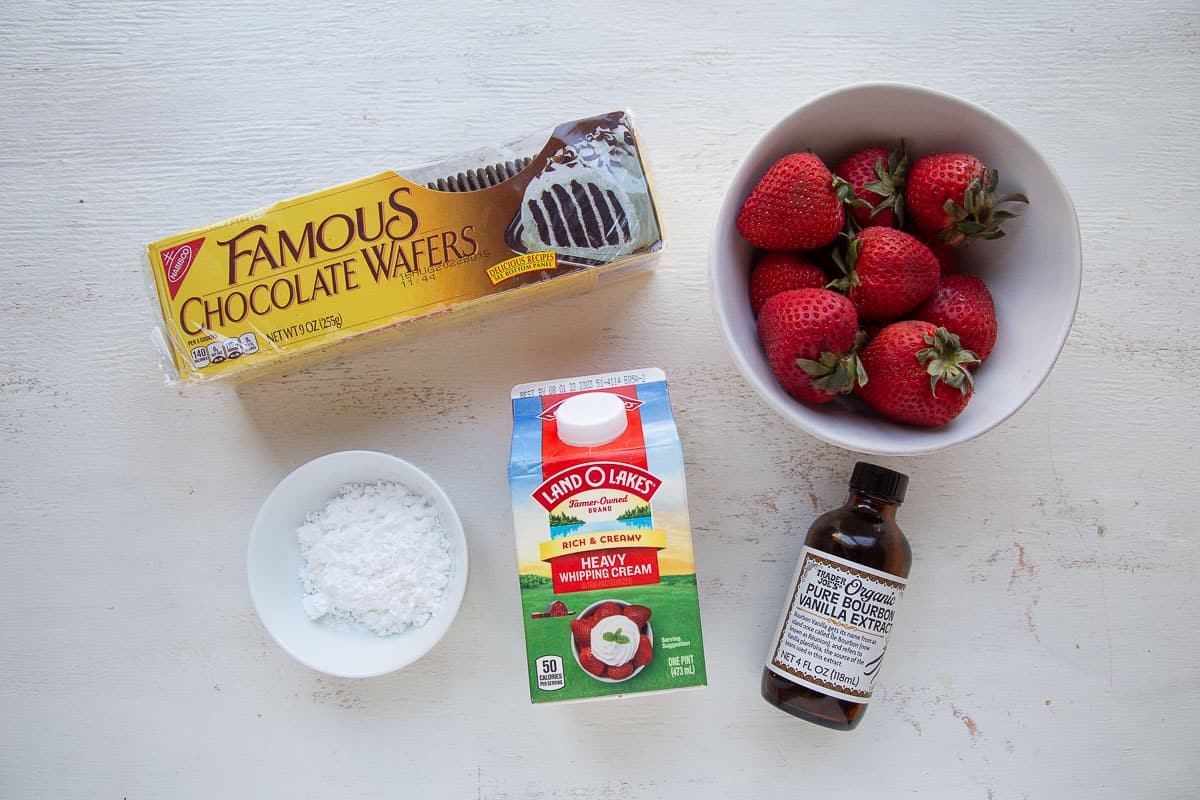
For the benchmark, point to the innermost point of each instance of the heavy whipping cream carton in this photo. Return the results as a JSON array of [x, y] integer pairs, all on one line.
[[604, 544], [553, 212]]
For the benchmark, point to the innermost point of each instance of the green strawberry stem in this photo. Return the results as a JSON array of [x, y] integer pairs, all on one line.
[[837, 374], [890, 185], [845, 192], [846, 263], [945, 360], [978, 216]]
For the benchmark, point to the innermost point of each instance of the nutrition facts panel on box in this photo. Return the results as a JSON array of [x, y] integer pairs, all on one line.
[[224, 349]]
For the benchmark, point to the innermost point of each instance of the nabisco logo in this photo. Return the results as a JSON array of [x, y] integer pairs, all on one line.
[[596, 475], [177, 261], [631, 404]]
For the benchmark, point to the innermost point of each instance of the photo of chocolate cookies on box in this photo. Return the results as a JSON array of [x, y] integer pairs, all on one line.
[[591, 202]]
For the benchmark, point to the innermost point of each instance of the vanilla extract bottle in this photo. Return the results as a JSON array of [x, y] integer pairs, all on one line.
[[833, 633]]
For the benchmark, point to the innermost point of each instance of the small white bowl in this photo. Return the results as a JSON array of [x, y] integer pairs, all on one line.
[[273, 567], [1034, 272]]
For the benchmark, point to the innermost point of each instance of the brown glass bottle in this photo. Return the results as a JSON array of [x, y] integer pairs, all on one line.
[[862, 531]]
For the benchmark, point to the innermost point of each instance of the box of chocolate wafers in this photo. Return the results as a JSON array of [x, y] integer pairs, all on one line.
[[554, 211]]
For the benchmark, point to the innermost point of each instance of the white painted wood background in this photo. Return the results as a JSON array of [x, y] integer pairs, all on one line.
[[1048, 644]]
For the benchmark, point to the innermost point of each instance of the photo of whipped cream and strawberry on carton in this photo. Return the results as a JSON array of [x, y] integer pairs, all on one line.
[[613, 639], [858, 287]]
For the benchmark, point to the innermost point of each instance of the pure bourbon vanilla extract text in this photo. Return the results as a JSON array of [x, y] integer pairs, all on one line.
[[832, 636]]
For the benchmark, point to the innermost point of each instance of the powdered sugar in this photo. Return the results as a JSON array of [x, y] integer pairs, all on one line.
[[376, 556]]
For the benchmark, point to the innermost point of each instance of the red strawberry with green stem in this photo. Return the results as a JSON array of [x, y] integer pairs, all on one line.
[[952, 196], [963, 305], [776, 271], [810, 338], [919, 374], [796, 205], [877, 176], [887, 273]]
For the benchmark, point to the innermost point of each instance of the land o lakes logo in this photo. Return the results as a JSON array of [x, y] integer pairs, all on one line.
[[612, 475]]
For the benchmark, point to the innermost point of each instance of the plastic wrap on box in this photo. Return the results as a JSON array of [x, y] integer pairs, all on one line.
[[546, 213]]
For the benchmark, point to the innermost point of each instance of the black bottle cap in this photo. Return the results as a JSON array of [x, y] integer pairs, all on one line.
[[879, 481]]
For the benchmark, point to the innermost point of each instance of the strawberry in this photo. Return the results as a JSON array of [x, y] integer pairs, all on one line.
[[952, 196], [795, 206], [620, 673], [638, 615], [645, 652], [581, 631], [877, 177], [588, 660], [963, 305], [776, 272], [607, 609], [918, 374], [944, 253], [887, 273], [810, 336], [558, 609]]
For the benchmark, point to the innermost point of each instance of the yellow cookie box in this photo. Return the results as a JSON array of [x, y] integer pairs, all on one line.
[[519, 221]]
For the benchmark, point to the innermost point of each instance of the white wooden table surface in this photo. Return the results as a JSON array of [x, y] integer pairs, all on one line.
[[1048, 643]]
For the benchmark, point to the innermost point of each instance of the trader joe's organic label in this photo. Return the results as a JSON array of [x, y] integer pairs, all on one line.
[[834, 632]]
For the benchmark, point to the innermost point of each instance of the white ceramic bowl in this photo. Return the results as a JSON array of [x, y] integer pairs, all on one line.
[[273, 566], [1034, 272]]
